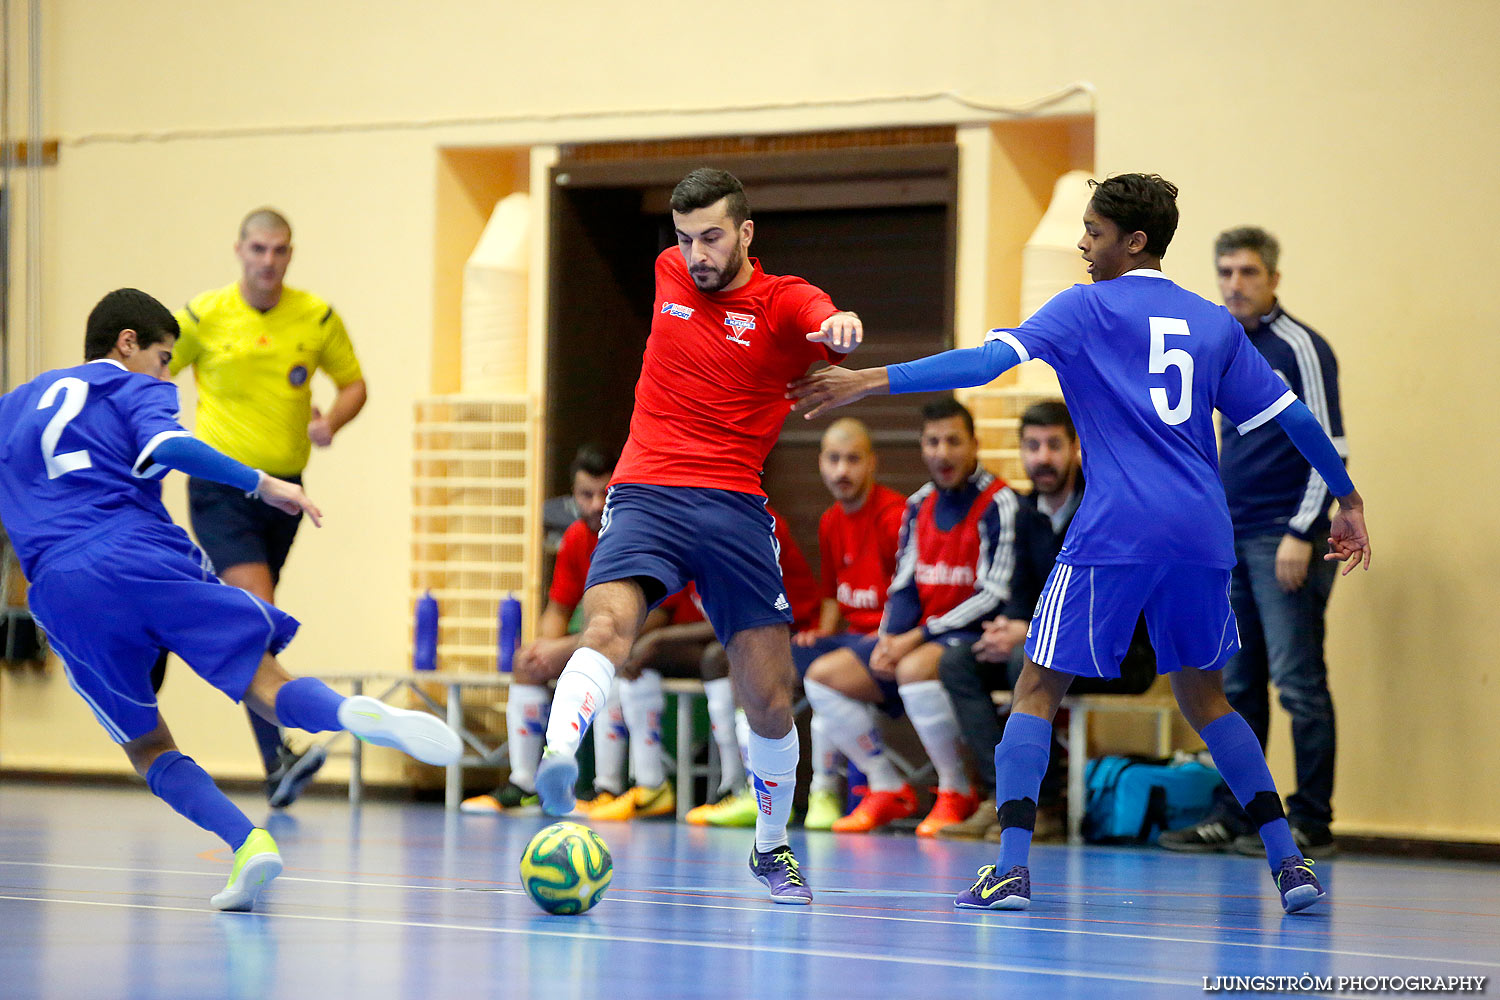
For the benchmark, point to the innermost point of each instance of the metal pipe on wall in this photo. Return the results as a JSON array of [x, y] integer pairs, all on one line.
[[6, 152], [34, 191]]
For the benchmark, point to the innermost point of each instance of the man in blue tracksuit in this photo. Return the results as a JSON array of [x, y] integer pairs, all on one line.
[[1279, 591]]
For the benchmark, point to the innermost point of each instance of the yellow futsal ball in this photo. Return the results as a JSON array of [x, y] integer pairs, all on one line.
[[566, 868]]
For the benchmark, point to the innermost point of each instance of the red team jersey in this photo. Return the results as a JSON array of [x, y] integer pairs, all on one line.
[[712, 394], [858, 553], [572, 569], [946, 570]]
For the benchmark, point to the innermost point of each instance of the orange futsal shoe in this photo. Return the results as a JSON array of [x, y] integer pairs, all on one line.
[[951, 807], [877, 809]]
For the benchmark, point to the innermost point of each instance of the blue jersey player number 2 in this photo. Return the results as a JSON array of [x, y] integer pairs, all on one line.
[[114, 582]]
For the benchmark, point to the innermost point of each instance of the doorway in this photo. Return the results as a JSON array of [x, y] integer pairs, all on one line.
[[874, 227]]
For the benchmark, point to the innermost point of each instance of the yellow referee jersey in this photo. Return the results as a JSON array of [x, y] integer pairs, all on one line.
[[254, 371]]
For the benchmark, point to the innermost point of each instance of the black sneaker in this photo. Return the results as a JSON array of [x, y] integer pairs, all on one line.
[[292, 774], [1312, 841], [1216, 833]]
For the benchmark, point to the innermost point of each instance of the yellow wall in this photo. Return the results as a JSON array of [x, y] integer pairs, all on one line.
[[1363, 133]]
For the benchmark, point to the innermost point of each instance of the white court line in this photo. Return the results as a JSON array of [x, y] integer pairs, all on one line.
[[816, 912], [944, 962]]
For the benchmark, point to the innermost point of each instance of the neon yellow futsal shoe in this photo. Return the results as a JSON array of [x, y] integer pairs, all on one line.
[[822, 809], [737, 809], [256, 863], [638, 803]]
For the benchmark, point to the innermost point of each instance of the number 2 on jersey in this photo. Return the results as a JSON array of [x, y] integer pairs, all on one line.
[[75, 391], [1162, 359]]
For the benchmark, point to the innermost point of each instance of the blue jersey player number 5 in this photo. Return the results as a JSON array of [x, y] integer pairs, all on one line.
[[1162, 359]]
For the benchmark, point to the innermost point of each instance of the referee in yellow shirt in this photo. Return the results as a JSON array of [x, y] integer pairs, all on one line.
[[254, 346]]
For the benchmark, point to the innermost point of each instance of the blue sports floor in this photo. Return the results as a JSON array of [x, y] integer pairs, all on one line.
[[104, 893]]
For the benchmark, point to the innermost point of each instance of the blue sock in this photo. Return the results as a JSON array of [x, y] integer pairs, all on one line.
[[177, 780], [307, 703], [1242, 762], [1020, 762]]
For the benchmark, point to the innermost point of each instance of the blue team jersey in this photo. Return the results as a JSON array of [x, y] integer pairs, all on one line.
[[1143, 365], [75, 457]]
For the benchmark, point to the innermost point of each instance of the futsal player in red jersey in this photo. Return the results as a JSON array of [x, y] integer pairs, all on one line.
[[686, 502]]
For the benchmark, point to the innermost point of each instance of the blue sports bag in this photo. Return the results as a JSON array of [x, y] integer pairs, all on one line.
[[1132, 799]]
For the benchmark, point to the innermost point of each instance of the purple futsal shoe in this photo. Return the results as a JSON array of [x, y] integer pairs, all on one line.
[[778, 869], [1011, 891], [1299, 887]]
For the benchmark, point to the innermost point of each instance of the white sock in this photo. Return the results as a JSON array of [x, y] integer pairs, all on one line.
[[773, 763], [525, 721], [851, 726], [722, 721], [611, 740], [825, 756], [581, 692], [643, 702], [742, 740], [931, 715]]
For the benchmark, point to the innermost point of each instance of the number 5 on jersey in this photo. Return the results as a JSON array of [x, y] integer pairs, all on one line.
[[1162, 359], [75, 392]]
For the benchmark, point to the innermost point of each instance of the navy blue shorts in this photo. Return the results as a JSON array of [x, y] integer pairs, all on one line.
[[110, 607], [723, 541], [891, 704], [235, 529], [803, 656], [1087, 614]]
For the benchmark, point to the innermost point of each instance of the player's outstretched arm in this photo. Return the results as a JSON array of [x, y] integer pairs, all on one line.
[[188, 455], [1348, 540], [833, 387], [842, 331], [287, 498]]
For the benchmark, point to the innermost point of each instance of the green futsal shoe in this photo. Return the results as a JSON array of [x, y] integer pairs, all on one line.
[[256, 863], [822, 809]]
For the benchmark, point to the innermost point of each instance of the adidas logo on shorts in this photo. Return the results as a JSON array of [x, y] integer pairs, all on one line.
[[781, 603]]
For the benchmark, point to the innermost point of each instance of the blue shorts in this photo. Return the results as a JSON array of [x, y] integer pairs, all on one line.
[[803, 656], [110, 607], [1087, 614], [723, 541], [890, 690]]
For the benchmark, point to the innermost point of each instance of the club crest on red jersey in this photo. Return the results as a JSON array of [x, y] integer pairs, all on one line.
[[738, 323]]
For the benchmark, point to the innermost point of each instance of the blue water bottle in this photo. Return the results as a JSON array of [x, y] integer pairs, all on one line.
[[425, 639], [510, 632]]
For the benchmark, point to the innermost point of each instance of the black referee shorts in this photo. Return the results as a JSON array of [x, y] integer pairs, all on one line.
[[234, 529]]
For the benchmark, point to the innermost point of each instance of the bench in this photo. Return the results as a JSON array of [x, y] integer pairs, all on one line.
[[1156, 700], [384, 685]]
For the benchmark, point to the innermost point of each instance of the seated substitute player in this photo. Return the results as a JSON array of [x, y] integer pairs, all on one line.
[[1143, 363], [114, 581], [857, 539], [540, 663], [686, 503], [953, 571]]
